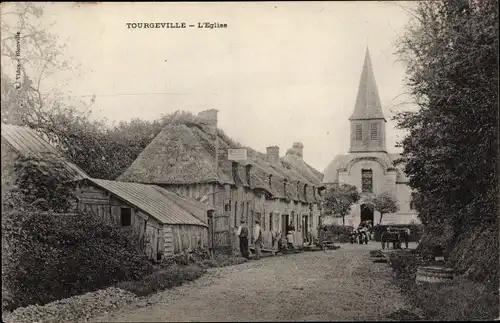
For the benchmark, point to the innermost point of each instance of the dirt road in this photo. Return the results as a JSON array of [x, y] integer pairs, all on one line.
[[340, 284]]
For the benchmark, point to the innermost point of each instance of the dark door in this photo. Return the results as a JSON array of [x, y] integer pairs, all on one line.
[[366, 213], [284, 223]]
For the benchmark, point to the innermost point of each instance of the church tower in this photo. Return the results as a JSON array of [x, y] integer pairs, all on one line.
[[367, 120]]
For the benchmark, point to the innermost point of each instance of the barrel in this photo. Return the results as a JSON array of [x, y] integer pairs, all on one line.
[[434, 274]]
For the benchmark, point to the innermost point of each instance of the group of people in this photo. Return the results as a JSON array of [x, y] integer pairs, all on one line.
[[363, 233], [243, 234]]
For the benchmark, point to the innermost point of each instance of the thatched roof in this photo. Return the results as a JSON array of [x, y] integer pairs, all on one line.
[[184, 153]]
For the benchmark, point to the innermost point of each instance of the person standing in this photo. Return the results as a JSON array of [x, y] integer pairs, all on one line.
[[243, 235], [257, 239], [407, 237]]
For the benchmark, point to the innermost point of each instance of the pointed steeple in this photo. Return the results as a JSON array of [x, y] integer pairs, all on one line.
[[367, 120], [368, 104]]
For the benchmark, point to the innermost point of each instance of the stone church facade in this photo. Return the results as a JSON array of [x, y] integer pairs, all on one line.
[[368, 165]]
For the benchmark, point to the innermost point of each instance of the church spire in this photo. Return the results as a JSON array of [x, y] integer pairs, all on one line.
[[367, 120], [368, 104]]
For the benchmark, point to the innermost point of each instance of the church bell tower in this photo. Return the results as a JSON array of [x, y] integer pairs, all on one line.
[[367, 120]]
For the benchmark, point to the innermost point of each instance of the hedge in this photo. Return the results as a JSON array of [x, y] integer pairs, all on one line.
[[49, 256], [336, 233]]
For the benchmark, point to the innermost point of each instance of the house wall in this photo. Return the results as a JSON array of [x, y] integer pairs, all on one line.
[[99, 202], [188, 237], [233, 203], [194, 191]]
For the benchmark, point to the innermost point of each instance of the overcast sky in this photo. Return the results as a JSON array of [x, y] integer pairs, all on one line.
[[279, 73]]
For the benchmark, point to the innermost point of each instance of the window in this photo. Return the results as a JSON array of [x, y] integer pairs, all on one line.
[[366, 180], [227, 207], [305, 192], [374, 131], [126, 216], [271, 221], [359, 132]]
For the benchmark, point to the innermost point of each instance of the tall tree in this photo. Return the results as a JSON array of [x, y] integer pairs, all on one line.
[[384, 203], [451, 51], [340, 198]]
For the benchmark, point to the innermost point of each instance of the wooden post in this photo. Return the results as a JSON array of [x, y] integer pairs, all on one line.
[[211, 232]]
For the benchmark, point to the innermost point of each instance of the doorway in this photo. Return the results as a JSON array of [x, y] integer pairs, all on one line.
[[285, 223], [305, 228], [367, 213]]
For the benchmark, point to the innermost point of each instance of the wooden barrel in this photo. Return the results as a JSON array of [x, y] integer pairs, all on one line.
[[434, 274]]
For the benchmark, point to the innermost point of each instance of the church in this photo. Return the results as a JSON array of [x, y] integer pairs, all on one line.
[[368, 165]]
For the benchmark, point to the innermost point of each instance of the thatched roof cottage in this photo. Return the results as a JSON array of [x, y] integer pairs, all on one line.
[[190, 156]]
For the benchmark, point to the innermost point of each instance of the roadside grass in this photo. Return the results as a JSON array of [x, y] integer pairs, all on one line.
[[163, 278], [175, 272], [458, 300]]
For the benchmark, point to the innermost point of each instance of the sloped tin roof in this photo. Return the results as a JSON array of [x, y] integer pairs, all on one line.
[[27, 142], [152, 200]]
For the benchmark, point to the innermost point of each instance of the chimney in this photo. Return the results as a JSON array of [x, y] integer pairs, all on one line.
[[248, 169], [209, 119], [299, 149], [273, 154], [234, 168], [285, 183]]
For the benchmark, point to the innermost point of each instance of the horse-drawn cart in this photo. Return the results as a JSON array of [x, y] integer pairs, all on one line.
[[396, 237]]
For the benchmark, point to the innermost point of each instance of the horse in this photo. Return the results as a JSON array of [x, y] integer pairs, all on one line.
[[391, 236]]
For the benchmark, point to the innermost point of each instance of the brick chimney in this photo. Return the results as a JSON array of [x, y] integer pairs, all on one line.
[[273, 154], [248, 169], [234, 170], [299, 149], [209, 119]]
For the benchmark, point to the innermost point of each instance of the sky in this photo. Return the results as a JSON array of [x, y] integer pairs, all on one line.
[[279, 73]]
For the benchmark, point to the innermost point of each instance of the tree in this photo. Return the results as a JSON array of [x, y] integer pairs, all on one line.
[[451, 55], [29, 55], [451, 51], [339, 199], [28, 100], [384, 203]]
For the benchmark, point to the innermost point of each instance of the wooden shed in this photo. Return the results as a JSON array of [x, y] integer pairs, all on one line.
[[165, 223]]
